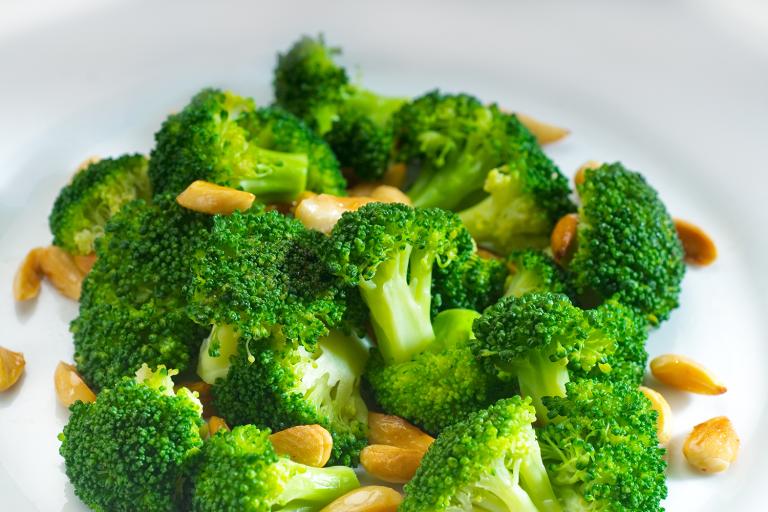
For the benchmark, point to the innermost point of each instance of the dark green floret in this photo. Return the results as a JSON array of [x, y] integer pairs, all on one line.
[[535, 271], [474, 283], [240, 471], [96, 193], [130, 449], [443, 384], [601, 450], [133, 305], [222, 138], [627, 244], [489, 462], [356, 122]]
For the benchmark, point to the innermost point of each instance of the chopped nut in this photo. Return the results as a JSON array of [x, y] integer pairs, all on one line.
[[215, 424], [391, 463], [663, 420], [388, 194], [26, 284], [395, 431], [210, 198], [306, 444], [70, 386], [60, 269], [698, 246], [85, 263], [323, 211], [395, 175], [371, 498], [11, 367], [563, 238], [712, 446], [544, 132], [578, 178], [686, 374]]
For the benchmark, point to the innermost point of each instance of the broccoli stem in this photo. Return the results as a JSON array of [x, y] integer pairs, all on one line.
[[447, 187], [273, 176], [215, 353], [378, 109], [538, 377], [400, 312], [500, 491], [310, 488], [536, 481]]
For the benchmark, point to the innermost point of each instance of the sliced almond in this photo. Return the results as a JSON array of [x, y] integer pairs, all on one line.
[[11, 367], [215, 424], [395, 175], [712, 446], [210, 198], [323, 211], [698, 246], [60, 269], [70, 386], [395, 431], [580, 175], [391, 463], [26, 283], [306, 444], [389, 194], [85, 263], [684, 373], [371, 498], [563, 238], [545, 133], [664, 414]]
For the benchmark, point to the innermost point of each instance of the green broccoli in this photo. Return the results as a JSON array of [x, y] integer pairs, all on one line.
[[474, 283], [488, 462], [240, 471], [222, 138], [95, 194], [133, 307], [535, 271], [601, 450], [389, 251], [441, 385], [130, 449], [356, 122], [627, 246]]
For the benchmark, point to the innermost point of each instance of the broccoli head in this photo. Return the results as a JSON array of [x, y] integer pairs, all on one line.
[[474, 283], [627, 246], [490, 461], [95, 194], [222, 138], [130, 448], [601, 450], [535, 271], [389, 251], [133, 306], [239, 470]]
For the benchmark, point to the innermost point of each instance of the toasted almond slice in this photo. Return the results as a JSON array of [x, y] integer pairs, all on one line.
[[210, 198], [70, 386], [85, 263], [371, 498], [578, 178], [216, 424], [395, 175], [684, 373], [389, 194], [11, 367], [664, 414], [26, 283], [545, 133], [60, 269], [698, 246], [323, 211], [712, 446], [306, 444], [395, 431], [563, 238], [391, 463]]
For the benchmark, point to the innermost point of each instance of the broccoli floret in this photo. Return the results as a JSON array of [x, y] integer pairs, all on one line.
[[96, 194], [536, 338], [601, 450], [133, 306], [388, 251], [130, 448], [535, 271], [441, 385], [488, 462], [474, 283], [356, 122], [627, 246], [222, 138], [240, 471]]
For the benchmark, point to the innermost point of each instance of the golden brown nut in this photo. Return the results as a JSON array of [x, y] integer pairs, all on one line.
[[545, 133], [395, 175], [59, 268], [371, 498], [563, 239], [389, 194], [684, 373], [322, 212], [204, 197], [85, 263], [306, 444], [70, 386], [395, 431], [26, 283], [664, 412], [391, 463], [712, 446], [578, 178], [698, 246], [11, 367]]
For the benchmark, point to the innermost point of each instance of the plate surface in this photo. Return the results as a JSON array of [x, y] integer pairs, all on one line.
[[673, 89]]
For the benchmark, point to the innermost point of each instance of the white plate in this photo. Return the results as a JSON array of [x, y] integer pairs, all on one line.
[[675, 89]]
